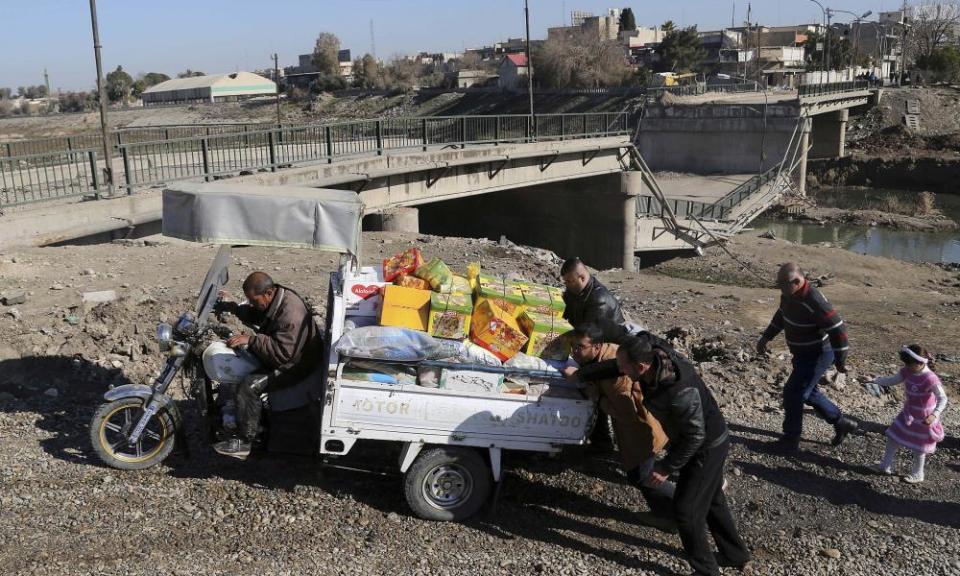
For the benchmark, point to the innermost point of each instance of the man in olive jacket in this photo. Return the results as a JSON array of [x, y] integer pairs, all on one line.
[[287, 344]]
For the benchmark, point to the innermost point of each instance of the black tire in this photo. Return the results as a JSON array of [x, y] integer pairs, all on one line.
[[447, 484], [112, 420]]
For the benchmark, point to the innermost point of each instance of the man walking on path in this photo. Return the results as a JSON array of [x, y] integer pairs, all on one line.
[[817, 338]]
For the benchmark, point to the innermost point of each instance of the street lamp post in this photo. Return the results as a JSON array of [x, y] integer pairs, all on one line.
[[102, 91], [826, 42]]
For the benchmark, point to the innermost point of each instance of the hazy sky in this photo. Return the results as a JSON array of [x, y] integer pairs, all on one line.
[[218, 36]]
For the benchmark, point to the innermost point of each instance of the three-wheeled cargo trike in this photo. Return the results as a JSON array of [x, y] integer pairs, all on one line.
[[452, 440]]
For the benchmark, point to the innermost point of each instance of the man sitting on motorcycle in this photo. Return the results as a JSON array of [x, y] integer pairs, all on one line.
[[285, 348]]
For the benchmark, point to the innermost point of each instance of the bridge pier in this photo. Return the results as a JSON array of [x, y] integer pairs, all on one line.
[[631, 186], [401, 219], [804, 153], [830, 134]]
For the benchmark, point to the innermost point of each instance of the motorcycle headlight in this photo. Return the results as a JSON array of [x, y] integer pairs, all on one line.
[[186, 324], [164, 335]]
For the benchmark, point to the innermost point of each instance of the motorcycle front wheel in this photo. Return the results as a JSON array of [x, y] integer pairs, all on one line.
[[111, 426]]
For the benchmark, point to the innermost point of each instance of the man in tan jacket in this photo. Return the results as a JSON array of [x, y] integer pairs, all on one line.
[[638, 434]]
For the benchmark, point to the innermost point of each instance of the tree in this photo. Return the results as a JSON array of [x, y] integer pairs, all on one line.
[[943, 64], [119, 84], [680, 50], [841, 52], [188, 73], [326, 51], [668, 27], [367, 73], [5, 93], [402, 74], [76, 101], [627, 20], [581, 60], [145, 81], [934, 25]]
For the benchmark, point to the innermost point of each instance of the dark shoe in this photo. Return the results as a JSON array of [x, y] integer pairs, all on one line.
[[786, 445], [843, 427], [233, 447]]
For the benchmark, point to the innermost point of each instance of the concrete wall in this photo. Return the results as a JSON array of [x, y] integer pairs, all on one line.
[[714, 145], [583, 217]]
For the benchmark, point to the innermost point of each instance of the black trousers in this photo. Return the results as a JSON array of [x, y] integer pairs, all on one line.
[[250, 406], [658, 503], [699, 504]]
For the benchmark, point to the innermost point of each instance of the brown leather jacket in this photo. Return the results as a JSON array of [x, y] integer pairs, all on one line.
[[639, 435], [287, 338]]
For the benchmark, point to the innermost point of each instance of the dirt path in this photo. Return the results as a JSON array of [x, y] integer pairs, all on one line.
[[821, 513]]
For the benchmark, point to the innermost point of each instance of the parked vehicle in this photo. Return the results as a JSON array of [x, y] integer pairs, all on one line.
[[452, 441]]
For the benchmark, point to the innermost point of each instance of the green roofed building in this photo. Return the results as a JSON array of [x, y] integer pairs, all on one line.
[[212, 88]]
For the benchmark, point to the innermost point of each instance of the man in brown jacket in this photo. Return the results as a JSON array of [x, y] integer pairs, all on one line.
[[286, 345], [638, 434]]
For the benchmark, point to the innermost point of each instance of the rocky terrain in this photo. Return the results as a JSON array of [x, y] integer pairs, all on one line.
[[61, 512]]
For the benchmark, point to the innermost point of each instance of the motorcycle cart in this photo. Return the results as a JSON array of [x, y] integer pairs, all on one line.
[[451, 440]]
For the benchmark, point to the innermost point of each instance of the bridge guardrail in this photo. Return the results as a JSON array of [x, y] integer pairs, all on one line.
[[813, 90], [29, 178], [38, 177]]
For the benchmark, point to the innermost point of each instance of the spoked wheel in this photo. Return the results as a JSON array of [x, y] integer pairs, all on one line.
[[447, 484], [111, 426]]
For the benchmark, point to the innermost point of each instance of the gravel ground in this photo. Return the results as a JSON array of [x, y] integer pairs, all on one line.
[[61, 512]]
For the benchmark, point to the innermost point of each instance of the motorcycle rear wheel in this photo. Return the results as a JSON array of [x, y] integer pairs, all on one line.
[[111, 424]]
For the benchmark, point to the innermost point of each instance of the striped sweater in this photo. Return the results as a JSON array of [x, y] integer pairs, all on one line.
[[807, 320]]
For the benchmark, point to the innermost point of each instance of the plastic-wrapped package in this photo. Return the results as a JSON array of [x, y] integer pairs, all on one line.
[[523, 361], [397, 344], [437, 273], [470, 353], [404, 263], [372, 371]]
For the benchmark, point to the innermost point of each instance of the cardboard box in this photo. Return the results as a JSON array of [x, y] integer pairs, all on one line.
[[363, 293], [496, 330], [544, 332], [405, 308], [406, 262], [507, 296], [470, 381], [450, 315], [437, 273], [543, 299], [408, 281]]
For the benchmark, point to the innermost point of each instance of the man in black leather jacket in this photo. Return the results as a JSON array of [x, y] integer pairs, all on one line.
[[586, 299], [676, 395]]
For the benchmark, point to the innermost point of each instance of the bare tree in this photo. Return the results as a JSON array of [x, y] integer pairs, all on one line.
[[326, 54], [582, 60], [935, 24]]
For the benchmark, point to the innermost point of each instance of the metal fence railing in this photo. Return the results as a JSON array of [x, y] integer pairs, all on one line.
[[38, 177], [812, 90], [649, 206], [144, 164]]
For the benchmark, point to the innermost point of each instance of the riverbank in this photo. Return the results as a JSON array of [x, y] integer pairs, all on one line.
[[909, 171]]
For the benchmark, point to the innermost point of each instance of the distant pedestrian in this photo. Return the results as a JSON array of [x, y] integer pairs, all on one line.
[[917, 428], [817, 338], [676, 396]]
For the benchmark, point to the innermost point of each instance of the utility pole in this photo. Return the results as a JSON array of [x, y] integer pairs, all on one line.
[[526, 12], [102, 90], [276, 79], [827, 46], [373, 41], [46, 82], [903, 41]]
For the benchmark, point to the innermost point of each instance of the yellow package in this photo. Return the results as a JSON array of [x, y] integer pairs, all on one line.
[[543, 299], [457, 285], [546, 335], [507, 296], [436, 272], [496, 330], [405, 308]]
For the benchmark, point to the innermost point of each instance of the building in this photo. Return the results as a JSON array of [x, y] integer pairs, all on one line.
[[210, 88], [498, 49], [470, 78], [601, 27], [513, 71]]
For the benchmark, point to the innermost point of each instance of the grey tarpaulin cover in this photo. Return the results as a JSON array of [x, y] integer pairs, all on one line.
[[228, 213]]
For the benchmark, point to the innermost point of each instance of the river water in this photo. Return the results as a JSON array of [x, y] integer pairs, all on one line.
[[875, 241]]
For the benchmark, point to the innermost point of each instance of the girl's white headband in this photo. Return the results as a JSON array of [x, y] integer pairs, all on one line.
[[906, 350]]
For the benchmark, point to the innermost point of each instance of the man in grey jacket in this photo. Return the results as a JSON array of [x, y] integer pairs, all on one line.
[[284, 348]]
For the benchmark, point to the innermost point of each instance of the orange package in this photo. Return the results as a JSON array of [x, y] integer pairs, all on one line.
[[404, 263], [408, 281]]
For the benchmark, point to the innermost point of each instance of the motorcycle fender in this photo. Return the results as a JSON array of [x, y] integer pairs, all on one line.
[[137, 391]]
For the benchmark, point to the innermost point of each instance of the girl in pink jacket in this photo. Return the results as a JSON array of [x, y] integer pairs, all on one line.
[[917, 428]]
